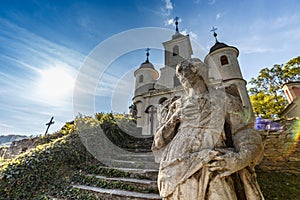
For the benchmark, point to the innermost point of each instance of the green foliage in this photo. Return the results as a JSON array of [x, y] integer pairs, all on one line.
[[279, 185], [267, 105], [47, 170], [43, 170], [266, 95], [111, 125]]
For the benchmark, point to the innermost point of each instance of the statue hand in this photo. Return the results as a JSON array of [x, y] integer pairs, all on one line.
[[226, 163], [176, 116]]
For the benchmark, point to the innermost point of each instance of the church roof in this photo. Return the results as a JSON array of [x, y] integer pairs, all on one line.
[[147, 64], [177, 35], [220, 45]]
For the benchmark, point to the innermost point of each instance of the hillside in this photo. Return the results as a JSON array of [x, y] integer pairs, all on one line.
[[7, 139], [59, 166]]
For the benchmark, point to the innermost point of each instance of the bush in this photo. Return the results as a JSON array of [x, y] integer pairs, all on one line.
[[45, 169]]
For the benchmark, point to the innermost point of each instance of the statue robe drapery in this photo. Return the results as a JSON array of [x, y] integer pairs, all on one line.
[[186, 146]]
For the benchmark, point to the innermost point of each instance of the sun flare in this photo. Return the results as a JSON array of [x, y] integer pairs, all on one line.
[[55, 83]]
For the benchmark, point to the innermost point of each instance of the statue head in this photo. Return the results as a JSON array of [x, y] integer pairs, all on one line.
[[192, 73]]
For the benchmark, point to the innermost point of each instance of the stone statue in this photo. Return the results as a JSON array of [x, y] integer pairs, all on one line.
[[206, 148], [133, 111]]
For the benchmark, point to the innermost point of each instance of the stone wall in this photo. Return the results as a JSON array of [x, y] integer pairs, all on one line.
[[282, 151]]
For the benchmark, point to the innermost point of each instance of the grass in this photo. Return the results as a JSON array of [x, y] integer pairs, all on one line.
[[279, 185]]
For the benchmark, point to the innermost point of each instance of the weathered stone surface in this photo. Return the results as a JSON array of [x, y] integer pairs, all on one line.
[[206, 147], [114, 194], [141, 184], [282, 151]]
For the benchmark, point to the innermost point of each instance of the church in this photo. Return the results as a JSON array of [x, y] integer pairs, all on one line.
[[153, 88]]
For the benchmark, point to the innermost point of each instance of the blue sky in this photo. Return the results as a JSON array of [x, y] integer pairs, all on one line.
[[45, 43]]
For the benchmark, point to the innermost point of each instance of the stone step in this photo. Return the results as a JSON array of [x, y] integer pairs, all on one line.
[[115, 194], [150, 174], [137, 156], [143, 164], [140, 184], [139, 150]]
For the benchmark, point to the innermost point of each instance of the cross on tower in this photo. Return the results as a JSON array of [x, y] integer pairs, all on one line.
[[176, 23], [147, 54], [215, 34], [49, 124]]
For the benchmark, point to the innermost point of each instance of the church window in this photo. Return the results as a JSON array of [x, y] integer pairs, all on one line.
[[175, 50], [141, 78], [161, 100], [224, 60]]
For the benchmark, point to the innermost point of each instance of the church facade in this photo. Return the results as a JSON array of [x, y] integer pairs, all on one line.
[[153, 88]]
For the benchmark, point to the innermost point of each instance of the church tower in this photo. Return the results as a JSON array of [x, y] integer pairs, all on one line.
[[145, 78], [176, 50], [225, 70]]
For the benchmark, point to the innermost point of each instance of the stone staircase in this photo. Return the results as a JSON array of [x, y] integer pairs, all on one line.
[[132, 176]]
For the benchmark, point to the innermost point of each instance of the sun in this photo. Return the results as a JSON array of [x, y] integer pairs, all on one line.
[[55, 84]]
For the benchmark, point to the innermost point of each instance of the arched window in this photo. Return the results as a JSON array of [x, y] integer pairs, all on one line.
[[224, 60], [161, 100], [175, 50], [141, 78]]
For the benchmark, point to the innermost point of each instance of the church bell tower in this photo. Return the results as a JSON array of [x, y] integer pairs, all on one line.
[[177, 49]]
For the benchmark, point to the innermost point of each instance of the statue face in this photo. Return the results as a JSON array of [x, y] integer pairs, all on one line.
[[188, 75]]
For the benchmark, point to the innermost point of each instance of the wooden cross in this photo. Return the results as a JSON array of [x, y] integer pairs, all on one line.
[[49, 124]]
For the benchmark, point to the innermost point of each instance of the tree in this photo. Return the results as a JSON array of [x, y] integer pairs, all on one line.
[[266, 95]]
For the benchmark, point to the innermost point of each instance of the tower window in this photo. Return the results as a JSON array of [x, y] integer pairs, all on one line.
[[175, 50], [161, 100], [224, 60], [141, 78]]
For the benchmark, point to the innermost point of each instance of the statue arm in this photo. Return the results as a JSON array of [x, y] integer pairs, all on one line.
[[166, 131], [247, 144], [247, 151]]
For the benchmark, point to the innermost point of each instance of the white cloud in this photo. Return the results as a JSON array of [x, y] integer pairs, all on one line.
[[167, 8], [169, 5], [171, 22], [190, 33], [193, 35], [211, 2], [220, 15]]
